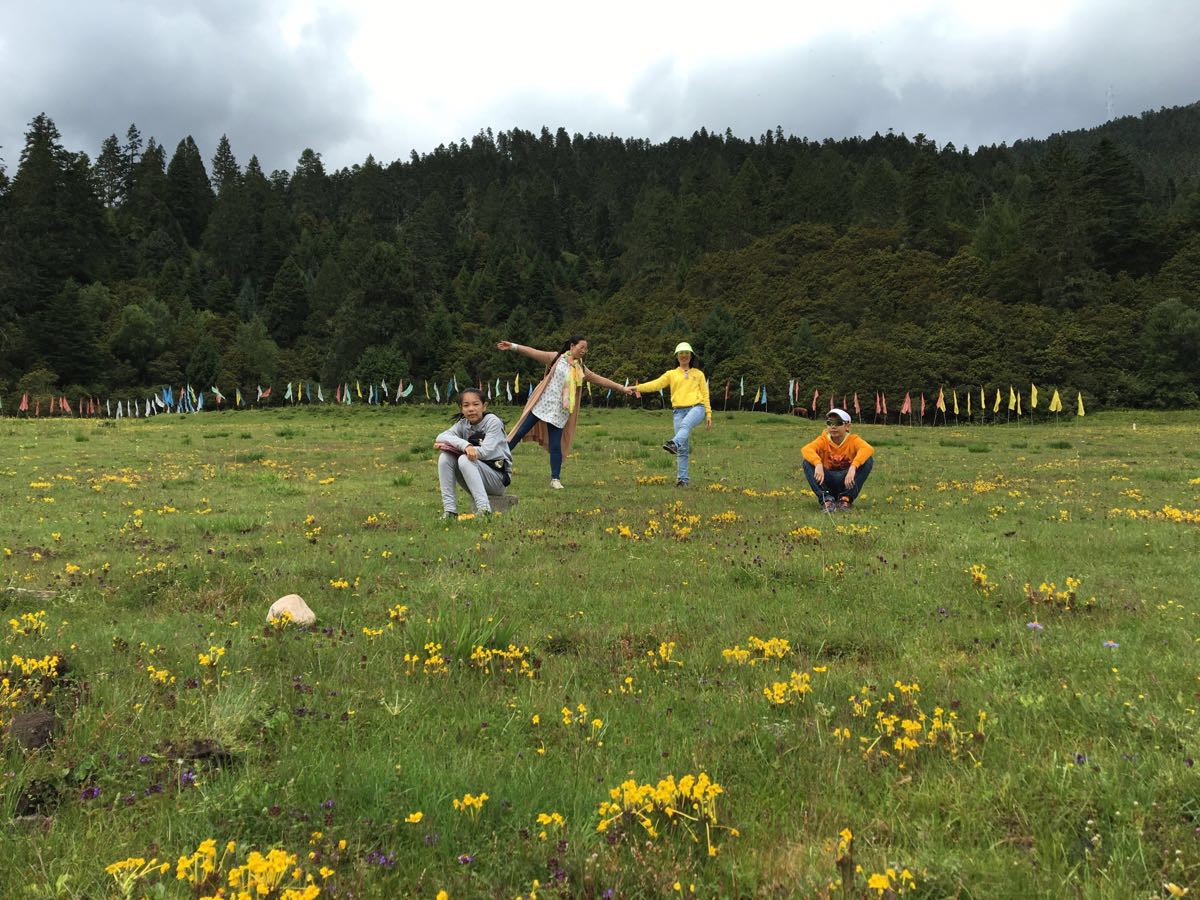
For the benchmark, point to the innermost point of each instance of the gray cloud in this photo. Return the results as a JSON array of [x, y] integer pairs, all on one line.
[[207, 67], [199, 68]]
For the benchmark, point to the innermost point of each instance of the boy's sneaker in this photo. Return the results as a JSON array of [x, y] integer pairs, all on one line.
[[556, 484], [681, 483], [828, 504], [449, 516], [845, 504], [671, 447]]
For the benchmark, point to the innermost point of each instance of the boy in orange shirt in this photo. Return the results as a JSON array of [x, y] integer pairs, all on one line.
[[837, 463]]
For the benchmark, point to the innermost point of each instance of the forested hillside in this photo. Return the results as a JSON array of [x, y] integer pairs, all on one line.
[[886, 263]]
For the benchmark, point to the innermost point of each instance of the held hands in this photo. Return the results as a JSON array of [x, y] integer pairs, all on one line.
[[630, 391]]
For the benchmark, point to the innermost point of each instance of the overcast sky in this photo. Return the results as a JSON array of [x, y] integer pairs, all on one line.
[[374, 76]]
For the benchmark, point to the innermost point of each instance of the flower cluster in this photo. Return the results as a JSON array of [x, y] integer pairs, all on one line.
[[900, 728], [511, 661], [691, 801], [29, 623], [212, 658], [791, 691], [1167, 514], [1048, 594], [547, 821], [980, 581], [471, 805], [275, 875], [434, 663], [806, 533], [578, 719], [664, 657], [758, 651]]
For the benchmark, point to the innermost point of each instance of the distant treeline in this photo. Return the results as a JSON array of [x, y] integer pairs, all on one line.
[[886, 263]]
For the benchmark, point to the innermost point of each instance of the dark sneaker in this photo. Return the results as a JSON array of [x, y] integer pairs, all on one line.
[[671, 447], [845, 504], [681, 483], [828, 504], [449, 516]]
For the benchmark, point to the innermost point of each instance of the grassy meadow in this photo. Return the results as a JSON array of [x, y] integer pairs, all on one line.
[[982, 682]]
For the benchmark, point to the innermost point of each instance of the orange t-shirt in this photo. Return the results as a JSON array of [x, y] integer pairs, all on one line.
[[854, 451]]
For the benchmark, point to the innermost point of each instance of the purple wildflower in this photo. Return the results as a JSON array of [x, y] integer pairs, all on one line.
[[466, 859], [187, 778], [1080, 759], [1035, 626], [1111, 645], [91, 792]]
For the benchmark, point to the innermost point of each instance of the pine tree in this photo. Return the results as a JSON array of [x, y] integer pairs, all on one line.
[[225, 169], [286, 307], [110, 172], [188, 193]]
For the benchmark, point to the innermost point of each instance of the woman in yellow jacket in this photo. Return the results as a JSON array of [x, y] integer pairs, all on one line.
[[689, 397]]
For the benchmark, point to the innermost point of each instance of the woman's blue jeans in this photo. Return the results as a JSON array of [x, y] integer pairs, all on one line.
[[555, 434], [686, 418]]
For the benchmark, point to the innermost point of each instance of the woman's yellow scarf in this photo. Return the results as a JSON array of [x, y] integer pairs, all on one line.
[[571, 383]]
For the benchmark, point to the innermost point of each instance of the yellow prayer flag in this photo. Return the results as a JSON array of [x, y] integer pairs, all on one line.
[[941, 400], [1012, 399], [426, 390], [517, 384], [996, 405], [982, 399], [1033, 396], [358, 389], [1018, 404], [968, 403], [1079, 400], [1056, 402], [956, 400]]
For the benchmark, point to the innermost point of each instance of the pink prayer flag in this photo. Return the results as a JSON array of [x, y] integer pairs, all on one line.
[[922, 406], [857, 408], [884, 396], [907, 405]]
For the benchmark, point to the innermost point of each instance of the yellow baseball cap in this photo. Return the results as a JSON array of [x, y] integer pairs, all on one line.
[[683, 347]]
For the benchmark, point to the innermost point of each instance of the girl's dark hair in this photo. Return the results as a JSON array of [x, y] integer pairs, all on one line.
[[567, 345], [463, 393]]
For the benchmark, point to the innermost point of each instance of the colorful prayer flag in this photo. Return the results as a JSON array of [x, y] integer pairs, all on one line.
[[1079, 404], [1056, 402], [941, 400]]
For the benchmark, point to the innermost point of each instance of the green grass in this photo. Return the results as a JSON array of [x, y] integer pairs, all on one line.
[[145, 547]]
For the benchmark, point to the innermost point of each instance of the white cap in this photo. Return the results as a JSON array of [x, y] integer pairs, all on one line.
[[841, 414]]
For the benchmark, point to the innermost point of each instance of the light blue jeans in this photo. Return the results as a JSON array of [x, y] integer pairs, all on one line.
[[686, 418]]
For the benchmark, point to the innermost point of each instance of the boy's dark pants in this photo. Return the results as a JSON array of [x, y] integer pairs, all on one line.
[[835, 481]]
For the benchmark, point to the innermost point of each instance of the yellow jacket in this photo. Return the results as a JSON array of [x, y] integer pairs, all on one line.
[[687, 388]]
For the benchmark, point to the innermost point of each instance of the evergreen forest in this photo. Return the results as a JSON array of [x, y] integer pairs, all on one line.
[[886, 263]]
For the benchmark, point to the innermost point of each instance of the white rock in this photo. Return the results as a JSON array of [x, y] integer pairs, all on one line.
[[294, 605]]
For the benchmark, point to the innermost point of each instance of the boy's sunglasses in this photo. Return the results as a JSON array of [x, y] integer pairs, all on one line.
[[834, 422]]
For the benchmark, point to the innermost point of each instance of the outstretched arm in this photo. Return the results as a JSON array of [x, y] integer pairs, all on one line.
[[605, 382], [545, 357]]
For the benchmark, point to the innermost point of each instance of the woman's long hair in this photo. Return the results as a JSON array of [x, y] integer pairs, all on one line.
[[567, 345]]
